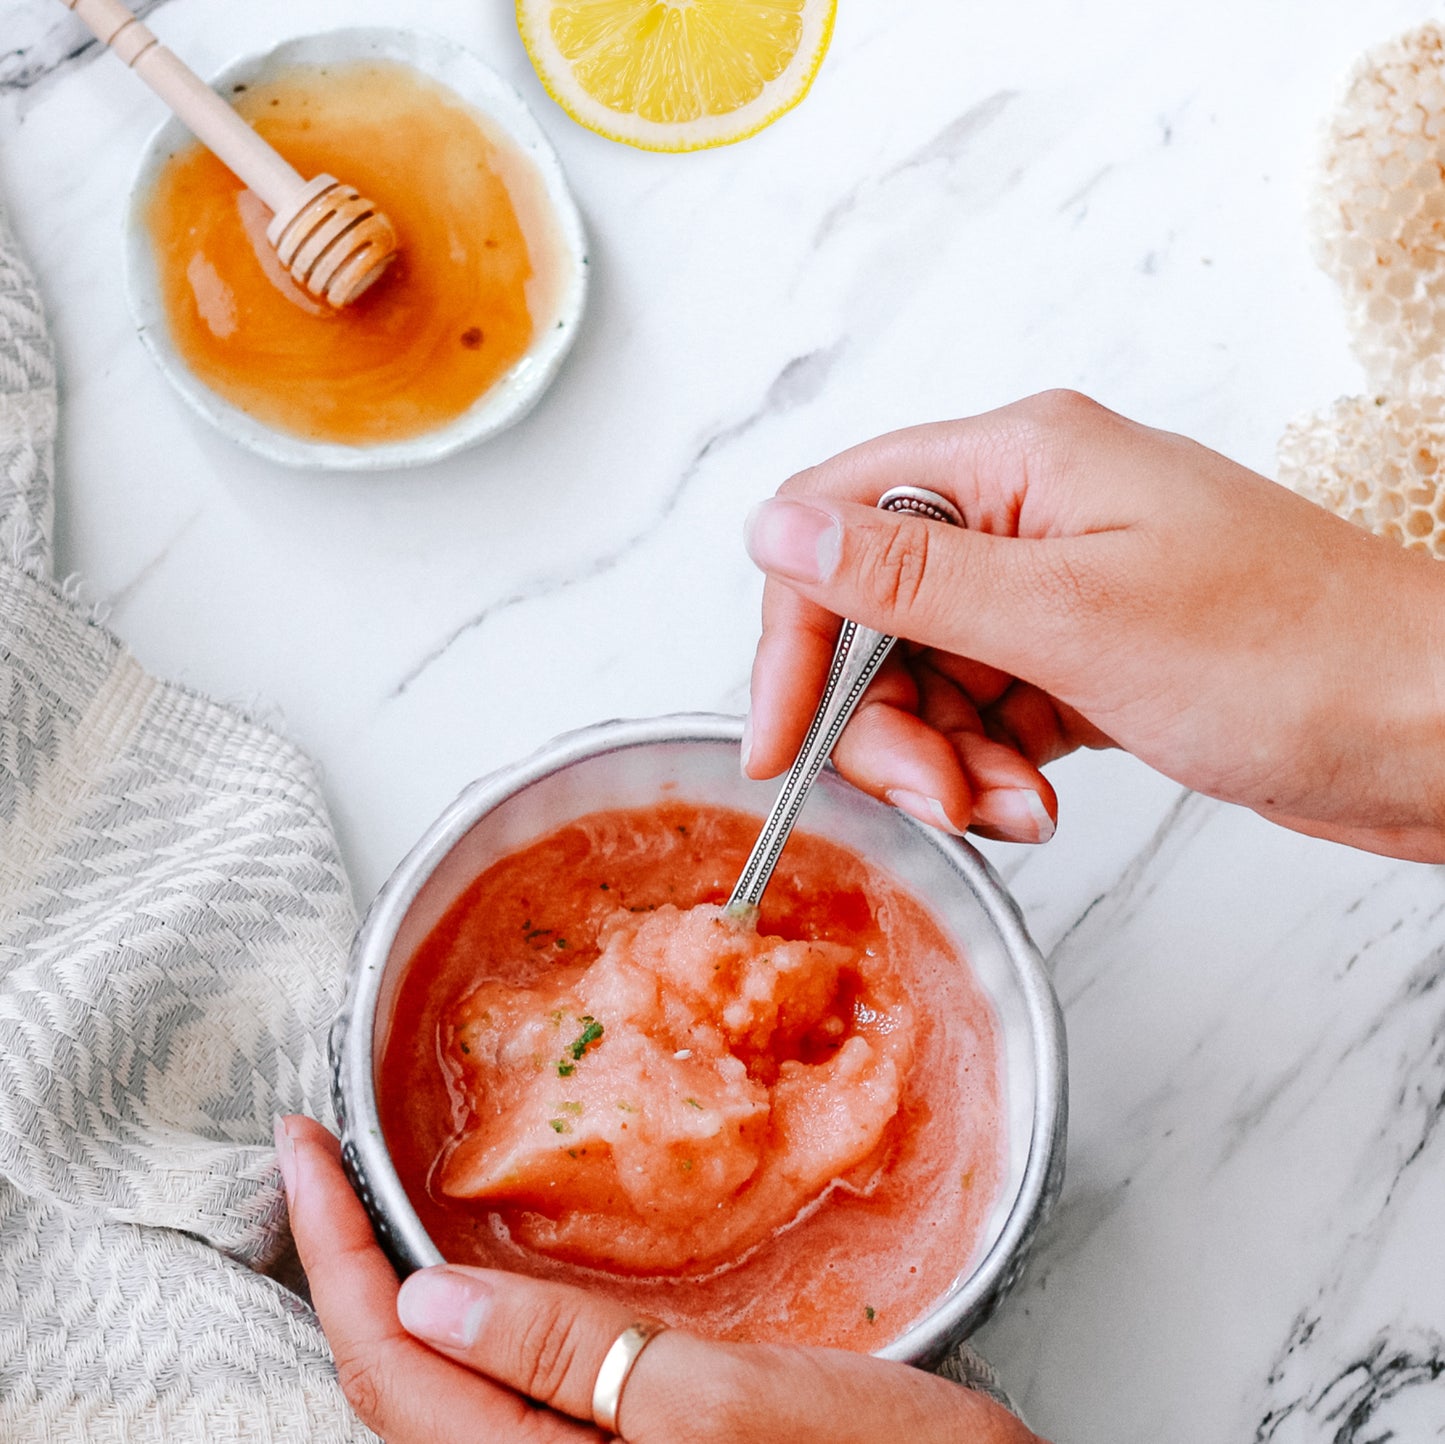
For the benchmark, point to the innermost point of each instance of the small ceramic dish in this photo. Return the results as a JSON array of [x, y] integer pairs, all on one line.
[[502, 110], [693, 758]]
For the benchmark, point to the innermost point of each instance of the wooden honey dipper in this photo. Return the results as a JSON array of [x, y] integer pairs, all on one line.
[[332, 241]]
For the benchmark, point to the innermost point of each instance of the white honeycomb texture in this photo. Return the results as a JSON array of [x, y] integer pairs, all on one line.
[[1379, 225], [1379, 216], [1377, 463]]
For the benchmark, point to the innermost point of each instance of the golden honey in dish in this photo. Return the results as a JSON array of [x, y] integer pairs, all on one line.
[[480, 270]]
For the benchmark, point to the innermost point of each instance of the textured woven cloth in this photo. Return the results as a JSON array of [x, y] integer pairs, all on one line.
[[174, 920]]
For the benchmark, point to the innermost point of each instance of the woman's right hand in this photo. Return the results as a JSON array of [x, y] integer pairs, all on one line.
[[1113, 585]]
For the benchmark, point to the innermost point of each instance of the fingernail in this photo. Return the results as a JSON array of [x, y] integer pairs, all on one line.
[[286, 1158], [1019, 811], [747, 744], [444, 1306], [925, 809], [794, 540]]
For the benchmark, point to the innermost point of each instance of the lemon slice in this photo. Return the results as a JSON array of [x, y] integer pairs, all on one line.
[[676, 74]]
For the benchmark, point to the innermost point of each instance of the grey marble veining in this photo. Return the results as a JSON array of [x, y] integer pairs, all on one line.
[[799, 382], [39, 41]]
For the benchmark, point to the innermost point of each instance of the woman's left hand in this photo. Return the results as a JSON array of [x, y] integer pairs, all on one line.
[[457, 1355]]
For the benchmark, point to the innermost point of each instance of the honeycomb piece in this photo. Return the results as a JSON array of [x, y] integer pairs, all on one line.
[[1379, 214], [1377, 462]]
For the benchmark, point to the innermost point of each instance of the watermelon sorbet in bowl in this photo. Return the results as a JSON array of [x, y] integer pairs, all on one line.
[[839, 1123]]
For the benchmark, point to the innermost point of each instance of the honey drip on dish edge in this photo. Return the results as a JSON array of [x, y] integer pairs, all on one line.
[[479, 273]]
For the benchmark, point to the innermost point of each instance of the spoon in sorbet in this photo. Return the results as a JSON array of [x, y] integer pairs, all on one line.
[[333, 242], [856, 659]]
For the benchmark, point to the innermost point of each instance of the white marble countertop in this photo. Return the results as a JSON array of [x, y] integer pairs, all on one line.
[[974, 203]]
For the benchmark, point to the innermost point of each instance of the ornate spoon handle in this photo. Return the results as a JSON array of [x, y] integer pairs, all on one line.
[[856, 660]]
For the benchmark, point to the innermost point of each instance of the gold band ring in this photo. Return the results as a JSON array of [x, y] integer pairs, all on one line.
[[617, 1364]]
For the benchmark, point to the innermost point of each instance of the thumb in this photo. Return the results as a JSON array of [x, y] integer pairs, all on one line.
[[548, 1340], [1001, 600]]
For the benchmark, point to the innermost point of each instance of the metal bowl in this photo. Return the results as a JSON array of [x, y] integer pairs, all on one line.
[[694, 757]]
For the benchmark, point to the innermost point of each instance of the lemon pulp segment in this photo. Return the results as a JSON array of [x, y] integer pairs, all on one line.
[[676, 74]]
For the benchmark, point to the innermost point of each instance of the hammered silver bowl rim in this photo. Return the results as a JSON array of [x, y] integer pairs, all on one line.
[[369, 1162]]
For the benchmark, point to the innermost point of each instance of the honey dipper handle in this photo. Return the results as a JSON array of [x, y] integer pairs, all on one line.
[[194, 103]]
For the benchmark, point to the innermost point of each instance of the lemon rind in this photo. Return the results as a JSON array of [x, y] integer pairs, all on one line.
[[662, 137]]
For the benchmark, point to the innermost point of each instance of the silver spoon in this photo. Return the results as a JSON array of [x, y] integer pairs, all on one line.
[[856, 659]]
